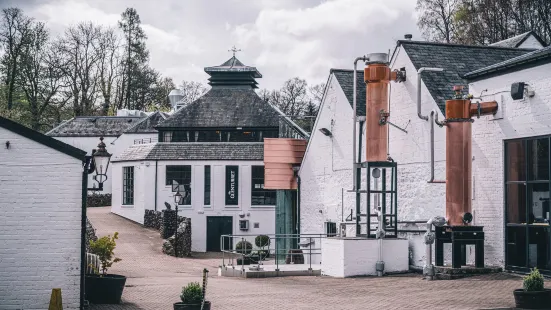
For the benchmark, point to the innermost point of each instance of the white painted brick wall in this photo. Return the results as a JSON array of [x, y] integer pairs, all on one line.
[[40, 220]]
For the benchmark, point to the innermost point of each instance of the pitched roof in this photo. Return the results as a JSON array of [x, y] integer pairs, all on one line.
[[516, 41], [94, 126], [225, 107], [345, 78], [456, 60], [193, 151], [147, 125], [233, 65], [536, 57], [42, 139]]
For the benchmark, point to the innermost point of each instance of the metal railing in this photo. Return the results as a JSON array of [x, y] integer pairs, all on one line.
[[145, 140], [282, 249]]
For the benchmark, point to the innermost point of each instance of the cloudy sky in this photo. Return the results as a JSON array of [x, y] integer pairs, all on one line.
[[282, 38]]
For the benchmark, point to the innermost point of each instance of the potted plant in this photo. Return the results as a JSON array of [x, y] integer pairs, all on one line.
[[104, 288], [262, 241], [244, 248], [192, 298], [533, 295]]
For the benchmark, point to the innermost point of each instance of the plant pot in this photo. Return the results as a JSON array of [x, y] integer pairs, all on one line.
[[104, 289], [183, 306], [244, 261], [532, 300]]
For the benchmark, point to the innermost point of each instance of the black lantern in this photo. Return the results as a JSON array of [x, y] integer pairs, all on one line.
[[98, 163], [178, 198]]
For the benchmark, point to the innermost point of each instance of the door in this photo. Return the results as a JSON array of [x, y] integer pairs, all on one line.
[[216, 227]]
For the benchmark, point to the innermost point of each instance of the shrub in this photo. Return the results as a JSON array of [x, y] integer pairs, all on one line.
[[261, 241], [103, 248], [192, 293], [533, 281], [244, 247]]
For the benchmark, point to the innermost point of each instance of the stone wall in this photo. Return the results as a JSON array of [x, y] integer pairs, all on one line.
[[98, 200], [182, 242], [90, 234], [152, 219]]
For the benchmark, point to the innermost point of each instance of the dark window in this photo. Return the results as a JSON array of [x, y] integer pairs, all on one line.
[[207, 185], [167, 136], [244, 135], [259, 195], [527, 183], [331, 229], [182, 175], [232, 185], [127, 185]]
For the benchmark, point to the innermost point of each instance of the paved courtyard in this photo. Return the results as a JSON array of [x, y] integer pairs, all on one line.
[[155, 280]]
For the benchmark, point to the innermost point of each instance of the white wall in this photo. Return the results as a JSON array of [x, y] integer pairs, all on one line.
[[144, 186], [531, 42], [120, 144], [40, 224], [521, 118]]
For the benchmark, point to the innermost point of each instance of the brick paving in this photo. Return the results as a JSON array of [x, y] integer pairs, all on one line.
[[155, 280]]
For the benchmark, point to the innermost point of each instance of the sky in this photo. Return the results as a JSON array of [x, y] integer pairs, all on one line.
[[282, 38]]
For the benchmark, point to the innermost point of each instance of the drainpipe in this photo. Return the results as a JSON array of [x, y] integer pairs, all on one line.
[[354, 105], [428, 269], [380, 234], [421, 70], [298, 205], [433, 120], [84, 196], [156, 166]]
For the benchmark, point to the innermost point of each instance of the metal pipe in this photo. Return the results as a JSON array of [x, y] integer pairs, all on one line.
[[421, 70], [432, 114], [354, 106], [428, 269]]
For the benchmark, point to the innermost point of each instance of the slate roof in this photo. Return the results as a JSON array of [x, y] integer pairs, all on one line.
[[345, 77], [148, 124], [194, 151], [225, 107], [456, 60], [94, 126], [42, 139], [538, 56], [233, 65], [516, 41]]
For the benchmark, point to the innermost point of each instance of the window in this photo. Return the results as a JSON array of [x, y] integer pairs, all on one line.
[[232, 185], [331, 229], [207, 186], [182, 175], [127, 185], [167, 136], [259, 195]]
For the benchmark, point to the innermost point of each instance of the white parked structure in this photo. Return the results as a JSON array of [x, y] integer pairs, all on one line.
[[41, 189], [518, 133]]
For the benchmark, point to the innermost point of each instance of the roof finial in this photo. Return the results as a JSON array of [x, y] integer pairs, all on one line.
[[234, 50]]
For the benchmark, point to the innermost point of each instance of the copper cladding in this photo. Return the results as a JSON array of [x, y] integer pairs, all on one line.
[[377, 77], [458, 160], [280, 155], [486, 108]]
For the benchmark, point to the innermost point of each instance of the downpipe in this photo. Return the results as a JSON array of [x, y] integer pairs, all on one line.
[[380, 234], [428, 269], [433, 120], [354, 119], [419, 72]]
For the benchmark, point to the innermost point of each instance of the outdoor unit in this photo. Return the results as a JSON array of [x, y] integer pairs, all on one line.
[[243, 224]]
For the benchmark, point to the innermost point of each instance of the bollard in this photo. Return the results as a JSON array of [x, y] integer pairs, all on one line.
[[55, 300]]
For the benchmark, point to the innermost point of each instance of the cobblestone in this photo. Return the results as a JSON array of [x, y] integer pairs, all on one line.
[[155, 280]]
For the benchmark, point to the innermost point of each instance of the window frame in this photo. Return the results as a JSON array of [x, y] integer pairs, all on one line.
[[128, 176], [207, 184], [271, 192], [180, 181]]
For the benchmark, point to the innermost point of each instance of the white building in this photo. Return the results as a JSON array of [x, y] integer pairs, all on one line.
[[214, 147], [41, 214], [326, 172]]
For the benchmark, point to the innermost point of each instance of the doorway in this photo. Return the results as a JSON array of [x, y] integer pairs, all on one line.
[[216, 227]]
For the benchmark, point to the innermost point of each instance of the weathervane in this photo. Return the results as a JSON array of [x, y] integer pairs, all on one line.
[[234, 50]]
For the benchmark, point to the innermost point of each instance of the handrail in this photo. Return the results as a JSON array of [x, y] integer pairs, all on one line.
[[292, 124]]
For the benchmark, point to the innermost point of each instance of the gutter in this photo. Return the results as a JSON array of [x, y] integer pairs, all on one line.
[[84, 196]]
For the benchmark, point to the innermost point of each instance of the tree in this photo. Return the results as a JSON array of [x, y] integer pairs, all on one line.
[[436, 19], [15, 31], [108, 66], [40, 75], [136, 56], [191, 91]]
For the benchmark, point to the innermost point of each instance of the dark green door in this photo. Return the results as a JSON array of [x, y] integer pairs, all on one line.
[[216, 227]]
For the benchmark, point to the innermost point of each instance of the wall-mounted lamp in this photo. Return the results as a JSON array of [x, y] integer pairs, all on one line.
[[519, 89], [326, 132], [8, 145]]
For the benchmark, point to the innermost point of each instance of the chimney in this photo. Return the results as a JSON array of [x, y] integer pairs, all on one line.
[[408, 36]]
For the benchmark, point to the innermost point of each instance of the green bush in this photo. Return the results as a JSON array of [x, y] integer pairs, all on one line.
[[262, 241], [533, 281], [192, 293], [244, 247], [103, 248]]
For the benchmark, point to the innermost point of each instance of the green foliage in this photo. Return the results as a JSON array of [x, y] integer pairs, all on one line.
[[262, 241], [103, 248], [192, 293], [244, 247], [533, 281]]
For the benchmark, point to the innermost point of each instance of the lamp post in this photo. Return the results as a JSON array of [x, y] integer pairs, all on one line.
[[177, 200]]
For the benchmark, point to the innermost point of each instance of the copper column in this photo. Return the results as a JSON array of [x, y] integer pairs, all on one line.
[[459, 113], [377, 76]]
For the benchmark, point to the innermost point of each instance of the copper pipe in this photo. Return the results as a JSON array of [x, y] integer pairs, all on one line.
[[486, 108], [377, 76]]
